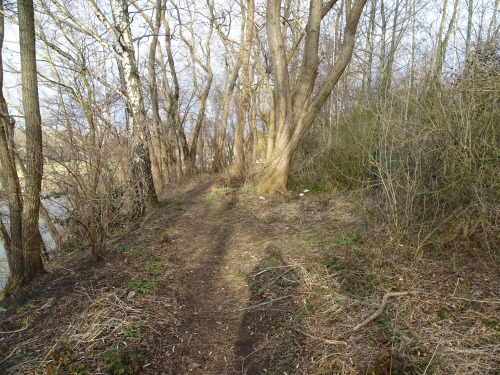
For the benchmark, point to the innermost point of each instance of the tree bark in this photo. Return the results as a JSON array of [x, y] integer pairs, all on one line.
[[157, 154], [34, 158], [146, 199], [238, 147], [295, 107], [12, 239], [221, 136]]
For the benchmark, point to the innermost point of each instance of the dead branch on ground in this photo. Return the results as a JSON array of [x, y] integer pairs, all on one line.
[[381, 308]]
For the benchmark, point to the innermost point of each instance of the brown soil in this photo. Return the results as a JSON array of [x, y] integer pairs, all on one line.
[[228, 282]]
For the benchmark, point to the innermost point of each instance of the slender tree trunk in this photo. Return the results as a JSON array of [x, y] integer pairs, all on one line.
[[493, 27], [443, 42], [34, 158], [193, 151], [157, 153], [271, 132], [389, 61], [411, 74], [369, 47], [12, 239], [255, 133], [220, 138], [203, 96], [141, 161], [469, 28], [239, 149]]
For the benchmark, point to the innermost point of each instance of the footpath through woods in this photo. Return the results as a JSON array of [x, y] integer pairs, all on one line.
[[222, 281]]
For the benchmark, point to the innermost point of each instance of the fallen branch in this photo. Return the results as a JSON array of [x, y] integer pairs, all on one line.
[[326, 341], [17, 330], [381, 308]]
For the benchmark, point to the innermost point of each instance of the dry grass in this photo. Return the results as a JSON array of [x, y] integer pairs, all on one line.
[[443, 329], [309, 270]]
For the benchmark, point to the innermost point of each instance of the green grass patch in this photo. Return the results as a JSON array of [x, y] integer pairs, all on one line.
[[142, 286]]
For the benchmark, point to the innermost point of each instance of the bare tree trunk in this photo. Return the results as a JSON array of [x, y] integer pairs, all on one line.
[[469, 28], [369, 47], [271, 132], [411, 74], [294, 107], [34, 158], [220, 138], [157, 153], [389, 61], [203, 95], [493, 27], [13, 239], [443, 41], [254, 132], [141, 161], [238, 148]]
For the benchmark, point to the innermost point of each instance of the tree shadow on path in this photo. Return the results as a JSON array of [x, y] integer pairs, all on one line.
[[265, 343], [206, 306]]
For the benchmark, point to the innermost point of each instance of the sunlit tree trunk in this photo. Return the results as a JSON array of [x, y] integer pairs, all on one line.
[[157, 154], [295, 106], [12, 238], [468, 37], [34, 158], [238, 147], [146, 198], [206, 65], [254, 132], [221, 136]]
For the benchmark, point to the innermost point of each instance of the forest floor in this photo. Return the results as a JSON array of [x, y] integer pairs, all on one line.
[[222, 281]]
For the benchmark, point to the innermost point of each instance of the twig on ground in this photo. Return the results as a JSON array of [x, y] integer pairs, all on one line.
[[268, 269], [381, 308], [432, 357], [476, 300], [265, 303], [17, 330], [10, 354], [326, 341], [271, 283]]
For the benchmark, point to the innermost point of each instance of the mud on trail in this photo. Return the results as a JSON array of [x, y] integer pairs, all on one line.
[[222, 281]]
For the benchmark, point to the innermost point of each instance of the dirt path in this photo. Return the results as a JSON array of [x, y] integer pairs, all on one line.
[[213, 254]]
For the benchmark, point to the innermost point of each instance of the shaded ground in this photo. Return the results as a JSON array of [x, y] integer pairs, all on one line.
[[220, 281]]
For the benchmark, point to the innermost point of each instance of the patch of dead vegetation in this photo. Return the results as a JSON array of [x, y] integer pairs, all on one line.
[[229, 282]]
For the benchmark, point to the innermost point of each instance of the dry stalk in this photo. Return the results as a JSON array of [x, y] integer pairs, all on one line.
[[265, 303], [476, 300], [381, 308], [326, 341], [430, 361]]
